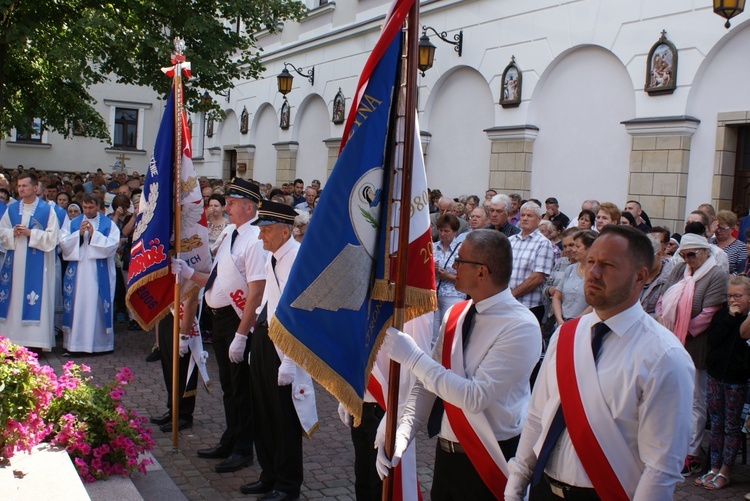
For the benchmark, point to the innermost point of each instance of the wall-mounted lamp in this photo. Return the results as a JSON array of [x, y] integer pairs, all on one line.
[[427, 49], [728, 9], [284, 79], [206, 97]]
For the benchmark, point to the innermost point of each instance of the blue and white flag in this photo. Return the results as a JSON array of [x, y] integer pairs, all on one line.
[[327, 320]]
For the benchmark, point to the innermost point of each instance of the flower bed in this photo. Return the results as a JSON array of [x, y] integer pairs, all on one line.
[[101, 436]]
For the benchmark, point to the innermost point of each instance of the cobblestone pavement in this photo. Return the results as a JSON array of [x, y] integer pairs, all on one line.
[[328, 457]]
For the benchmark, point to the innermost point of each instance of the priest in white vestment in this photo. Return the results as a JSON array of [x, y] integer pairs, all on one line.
[[89, 243], [29, 232]]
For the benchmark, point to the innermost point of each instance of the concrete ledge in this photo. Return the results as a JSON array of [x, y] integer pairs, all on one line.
[[46, 473]]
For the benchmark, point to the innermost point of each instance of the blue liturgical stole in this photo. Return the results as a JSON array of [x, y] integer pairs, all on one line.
[[102, 275], [34, 273]]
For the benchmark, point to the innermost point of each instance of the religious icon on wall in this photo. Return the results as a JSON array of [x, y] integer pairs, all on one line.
[[339, 108], [284, 120], [243, 120], [661, 67], [210, 127], [510, 93]]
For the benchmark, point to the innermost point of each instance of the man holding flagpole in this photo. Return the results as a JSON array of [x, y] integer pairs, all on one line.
[[283, 394], [610, 414], [474, 390], [233, 292], [29, 231]]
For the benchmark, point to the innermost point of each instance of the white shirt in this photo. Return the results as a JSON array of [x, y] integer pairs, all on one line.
[[276, 278], [504, 347], [248, 256], [646, 378]]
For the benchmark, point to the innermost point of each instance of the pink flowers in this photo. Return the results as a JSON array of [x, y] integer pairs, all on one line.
[[90, 421]]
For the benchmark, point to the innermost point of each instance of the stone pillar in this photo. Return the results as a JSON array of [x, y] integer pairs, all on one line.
[[245, 155], [286, 161], [659, 163], [332, 144], [511, 157]]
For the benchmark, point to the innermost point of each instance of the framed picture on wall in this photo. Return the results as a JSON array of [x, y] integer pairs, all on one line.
[[244, 121], [339, 108], [510, 92], [284, 120], [661, 67]]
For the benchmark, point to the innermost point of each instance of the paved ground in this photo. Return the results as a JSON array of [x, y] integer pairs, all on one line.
[[328, 457]]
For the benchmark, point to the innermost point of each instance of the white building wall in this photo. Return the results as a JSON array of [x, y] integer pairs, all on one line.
[[313, 125], [582, 151], [724, 87], [583, 64]]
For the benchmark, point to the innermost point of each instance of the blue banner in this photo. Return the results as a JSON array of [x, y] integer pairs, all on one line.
[[150, 285], [327, 320]]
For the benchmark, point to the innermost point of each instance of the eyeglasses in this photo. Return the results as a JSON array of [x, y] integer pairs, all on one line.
[[688, 255], [723, 228], [457, 262], [736, 297]]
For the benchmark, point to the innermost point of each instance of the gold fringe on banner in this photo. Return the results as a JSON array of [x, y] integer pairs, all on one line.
[[424, 300], [320, 371]]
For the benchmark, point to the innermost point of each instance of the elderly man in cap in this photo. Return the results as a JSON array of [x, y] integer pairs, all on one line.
[[283, 395], [233, 294]]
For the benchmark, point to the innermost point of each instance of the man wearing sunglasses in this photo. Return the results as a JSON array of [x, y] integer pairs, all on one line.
[[476, 384]]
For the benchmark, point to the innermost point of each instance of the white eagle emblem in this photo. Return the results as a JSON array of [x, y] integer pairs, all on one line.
[[147, 207]]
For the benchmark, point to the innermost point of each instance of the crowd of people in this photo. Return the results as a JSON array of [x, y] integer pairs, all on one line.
[[694, 284], [554, 336]]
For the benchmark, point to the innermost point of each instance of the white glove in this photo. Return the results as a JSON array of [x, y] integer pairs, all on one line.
[[237, 348], [204, 357], [286, 371], [400, 347], [183, 345], [383, 464], [180, 267], [345, 416]]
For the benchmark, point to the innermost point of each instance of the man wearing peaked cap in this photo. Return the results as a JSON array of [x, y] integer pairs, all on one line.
[[283, 395], [240, 188], [272, 212], [233, 291]]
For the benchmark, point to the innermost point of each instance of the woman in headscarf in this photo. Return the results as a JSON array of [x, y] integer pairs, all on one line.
[[695, 291]]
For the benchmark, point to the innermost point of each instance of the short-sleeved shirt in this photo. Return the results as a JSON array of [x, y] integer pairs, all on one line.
[[250, 259], [531, 254]]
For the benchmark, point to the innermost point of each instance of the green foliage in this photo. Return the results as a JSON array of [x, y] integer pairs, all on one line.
[[52, 51]]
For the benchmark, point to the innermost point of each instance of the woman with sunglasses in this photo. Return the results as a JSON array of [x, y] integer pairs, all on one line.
[[695, 291]]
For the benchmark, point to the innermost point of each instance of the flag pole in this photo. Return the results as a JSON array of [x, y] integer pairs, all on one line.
[[399, 299], [179, 58]]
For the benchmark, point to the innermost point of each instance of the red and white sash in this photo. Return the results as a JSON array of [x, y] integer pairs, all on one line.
[[602, 450], [473, 431]]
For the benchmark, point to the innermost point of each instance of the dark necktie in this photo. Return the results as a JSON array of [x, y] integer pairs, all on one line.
[[263, 315], [215, 270], [436, 414], [557, 425]]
